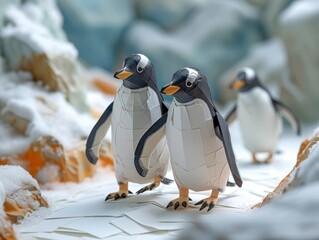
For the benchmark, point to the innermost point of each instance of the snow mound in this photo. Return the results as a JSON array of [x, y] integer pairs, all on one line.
[[13, 178], [42, 39]]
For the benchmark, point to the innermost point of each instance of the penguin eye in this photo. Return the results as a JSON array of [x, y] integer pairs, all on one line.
[[189, 84], [139, 69], [242, 76]]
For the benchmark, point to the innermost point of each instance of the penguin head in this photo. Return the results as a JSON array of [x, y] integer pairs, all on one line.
[[246, 80], [137, 72], [187, 84]]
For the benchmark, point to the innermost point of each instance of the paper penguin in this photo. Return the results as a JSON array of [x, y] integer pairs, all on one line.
[[198, 138], [259, 115], [137, 105]]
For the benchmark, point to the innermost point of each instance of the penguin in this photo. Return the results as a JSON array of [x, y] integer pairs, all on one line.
[[198, 138], [137, 105], [259, 114]]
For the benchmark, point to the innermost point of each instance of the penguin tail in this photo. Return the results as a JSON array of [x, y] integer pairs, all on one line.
[[230, 184], [167, 181]]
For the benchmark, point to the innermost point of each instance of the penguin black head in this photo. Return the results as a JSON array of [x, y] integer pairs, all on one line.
[[137, 72], [188, 84], [246, 80]]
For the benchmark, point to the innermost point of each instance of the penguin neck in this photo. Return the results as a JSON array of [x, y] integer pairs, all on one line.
[[196, 93], [134, 90], [255, 84], [132, 85], [183, 97]]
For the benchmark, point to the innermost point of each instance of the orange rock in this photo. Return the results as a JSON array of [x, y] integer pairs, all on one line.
[[6, 230], [106, 155], [16, 209], [283, 186], [58, 73], [47, 153], [104, 86], [38, 66]]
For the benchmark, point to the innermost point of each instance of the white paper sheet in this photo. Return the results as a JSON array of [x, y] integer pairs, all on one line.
[[131, 227], [99, 227]]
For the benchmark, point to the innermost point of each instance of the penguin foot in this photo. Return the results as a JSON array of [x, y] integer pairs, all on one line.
[[150, 187], [267, 160], [180, 203], [122, 193], [209, 202], [118, 195]]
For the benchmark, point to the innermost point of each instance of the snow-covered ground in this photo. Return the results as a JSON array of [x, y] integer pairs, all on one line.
[[78, 211]]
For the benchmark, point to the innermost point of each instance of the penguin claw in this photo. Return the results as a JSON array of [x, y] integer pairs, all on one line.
[[177, 203], [210, 207], [170, 204], [200, 202], [142, 190], [123, 195], [209, 202], [117, 195], [148, 188], [184, 204], [204, 205], [108, 197]]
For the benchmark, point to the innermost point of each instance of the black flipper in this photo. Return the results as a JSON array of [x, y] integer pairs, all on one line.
[[288, 114], [224, 135], [97, 134], [230, 184], [155, 132], [232, 115]]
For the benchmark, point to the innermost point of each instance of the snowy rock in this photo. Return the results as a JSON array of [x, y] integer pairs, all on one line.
[[13, 178], [308, 172], [299, 27], [268, 59], [42, 132], [4, 4], [167, 14], [6, 230], [206, 40], [44, 112], [28, 44], [45, 13], [22, 194], [96, 28]]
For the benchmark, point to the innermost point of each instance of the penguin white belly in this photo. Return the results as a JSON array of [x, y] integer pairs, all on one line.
[[134, 111], [198, 159], [259, 122]]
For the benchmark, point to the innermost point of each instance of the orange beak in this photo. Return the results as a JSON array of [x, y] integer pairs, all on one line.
[[123, 74], [170, 89], [237, 84]]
